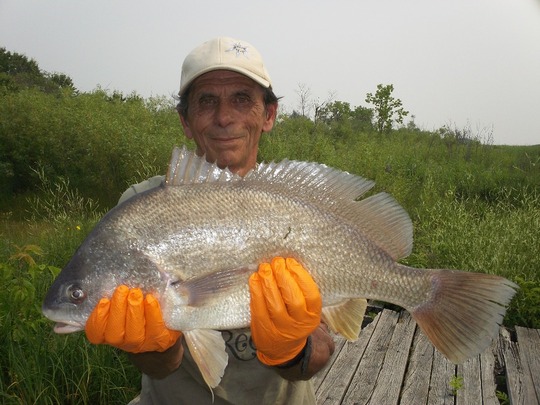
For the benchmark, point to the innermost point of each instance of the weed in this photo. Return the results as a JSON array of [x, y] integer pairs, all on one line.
[[502, 397], [456, 383]]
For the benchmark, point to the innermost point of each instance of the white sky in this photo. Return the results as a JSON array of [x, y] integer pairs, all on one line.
[[452, 62]]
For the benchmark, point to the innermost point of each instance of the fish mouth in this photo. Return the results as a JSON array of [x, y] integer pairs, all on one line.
[[63, 324], [63, 328]]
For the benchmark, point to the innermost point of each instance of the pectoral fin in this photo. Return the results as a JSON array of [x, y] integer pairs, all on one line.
[[346, 318], [207, 348], [199, 290]]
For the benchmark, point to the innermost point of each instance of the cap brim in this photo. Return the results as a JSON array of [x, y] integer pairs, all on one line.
[[253, 76]]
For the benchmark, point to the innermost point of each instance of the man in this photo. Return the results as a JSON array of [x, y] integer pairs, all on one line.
[[226, 104]]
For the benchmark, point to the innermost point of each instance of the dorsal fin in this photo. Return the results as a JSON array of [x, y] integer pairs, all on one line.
[[385, 222], [379, 216], [315, 180], [186, 167]]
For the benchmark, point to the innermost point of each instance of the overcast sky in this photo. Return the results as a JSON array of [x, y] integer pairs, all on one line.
[[472, 63]]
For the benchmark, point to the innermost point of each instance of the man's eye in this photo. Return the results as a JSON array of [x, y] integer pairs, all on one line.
[[242, 99], [207, 101]]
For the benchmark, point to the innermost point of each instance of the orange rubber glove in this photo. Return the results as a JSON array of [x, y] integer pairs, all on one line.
[[129, 322], [285, 309]]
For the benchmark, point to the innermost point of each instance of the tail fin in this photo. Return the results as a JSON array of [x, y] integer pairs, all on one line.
[[464, 312]]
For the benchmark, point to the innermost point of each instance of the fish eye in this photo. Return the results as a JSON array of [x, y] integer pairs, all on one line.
[[76, 294]]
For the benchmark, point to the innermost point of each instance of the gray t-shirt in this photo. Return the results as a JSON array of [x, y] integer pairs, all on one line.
[[246, 379]]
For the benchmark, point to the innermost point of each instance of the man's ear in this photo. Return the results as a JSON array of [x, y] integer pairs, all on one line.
[[185, 125], [271, 113]]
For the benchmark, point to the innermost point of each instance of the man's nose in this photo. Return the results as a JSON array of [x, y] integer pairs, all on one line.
[[224, 114]]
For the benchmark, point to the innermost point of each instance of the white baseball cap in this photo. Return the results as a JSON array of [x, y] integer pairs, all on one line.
[[224, 53]]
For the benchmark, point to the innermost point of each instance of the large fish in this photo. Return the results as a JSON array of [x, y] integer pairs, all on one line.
[[194, 241]]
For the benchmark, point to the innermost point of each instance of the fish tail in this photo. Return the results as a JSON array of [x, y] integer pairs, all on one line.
[[464, 312]]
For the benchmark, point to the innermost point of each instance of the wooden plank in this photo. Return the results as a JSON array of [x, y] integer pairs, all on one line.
[[471, 390], [390, 380], [519, 383], [338, 377], [487, 375], [529, 352], [318, 378], [394, 363], [364, 381], [442, 372], [416, 384]]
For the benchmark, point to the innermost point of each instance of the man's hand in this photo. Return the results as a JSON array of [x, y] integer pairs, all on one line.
[[285, 310], [130, 322]]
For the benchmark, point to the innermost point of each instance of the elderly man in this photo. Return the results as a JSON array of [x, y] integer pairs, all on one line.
[[226, 104]]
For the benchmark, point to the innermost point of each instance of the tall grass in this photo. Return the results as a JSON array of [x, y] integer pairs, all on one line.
[[38, 366]]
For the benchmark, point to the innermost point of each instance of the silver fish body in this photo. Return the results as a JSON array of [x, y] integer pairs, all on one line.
[[194, 241]]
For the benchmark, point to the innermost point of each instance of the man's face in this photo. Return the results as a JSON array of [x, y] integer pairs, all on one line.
[[226, 116]]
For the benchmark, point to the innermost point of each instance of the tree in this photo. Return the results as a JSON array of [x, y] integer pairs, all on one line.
[[319, 107], [334, 112], [387, 108], [340, 112], [304, 99], [19, 72], [61, 80], [362, 118], [15, 63]]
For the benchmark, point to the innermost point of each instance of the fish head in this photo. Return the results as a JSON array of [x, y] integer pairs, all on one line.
[[105, 260], [74, 294]]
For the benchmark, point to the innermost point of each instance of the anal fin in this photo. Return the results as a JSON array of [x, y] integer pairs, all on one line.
[[346, 317], [207, 348]]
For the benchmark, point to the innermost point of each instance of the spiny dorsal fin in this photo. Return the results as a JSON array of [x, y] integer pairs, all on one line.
[[315, 180], [186, 167]]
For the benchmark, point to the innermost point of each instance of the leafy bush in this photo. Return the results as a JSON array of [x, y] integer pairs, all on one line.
[[525, 307], [95, 141]]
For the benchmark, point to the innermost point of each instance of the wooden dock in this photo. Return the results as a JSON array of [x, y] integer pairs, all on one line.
[[392, 362]]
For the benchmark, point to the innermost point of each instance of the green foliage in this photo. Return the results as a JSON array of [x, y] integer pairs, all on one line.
[[387, 108], [96, 141], [60, 203], [15, 64], [502, 397], [17, 72], [456, 383], [38, 366], [525, 307], [64, 211], [342, 120]]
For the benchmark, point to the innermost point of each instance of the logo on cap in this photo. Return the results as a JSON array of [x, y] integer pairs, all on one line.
[[239, 49]]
